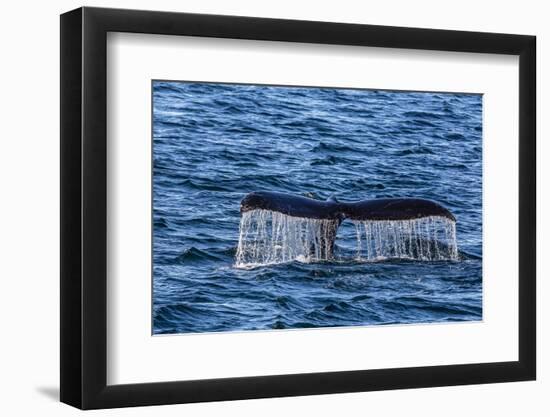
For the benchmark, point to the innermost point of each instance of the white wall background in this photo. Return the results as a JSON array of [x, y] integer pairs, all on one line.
[[29, 219]]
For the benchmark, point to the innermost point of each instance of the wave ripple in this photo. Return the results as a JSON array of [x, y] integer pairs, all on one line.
[[214, 143]]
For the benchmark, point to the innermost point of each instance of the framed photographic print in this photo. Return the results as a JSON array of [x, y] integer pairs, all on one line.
[[258, 207]]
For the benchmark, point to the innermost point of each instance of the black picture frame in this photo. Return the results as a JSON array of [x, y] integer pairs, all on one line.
[[84, 207]]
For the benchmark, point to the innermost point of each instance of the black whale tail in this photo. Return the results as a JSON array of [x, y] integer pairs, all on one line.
[[332, 212], [377, 209]]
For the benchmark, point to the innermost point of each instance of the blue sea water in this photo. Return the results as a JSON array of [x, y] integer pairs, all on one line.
[[215, 143]]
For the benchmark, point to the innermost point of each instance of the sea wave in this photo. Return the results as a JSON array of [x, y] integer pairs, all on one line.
[[214, 143]]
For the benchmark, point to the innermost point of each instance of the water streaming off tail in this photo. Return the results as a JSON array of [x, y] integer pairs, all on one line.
[[428, 239], [268, 237]]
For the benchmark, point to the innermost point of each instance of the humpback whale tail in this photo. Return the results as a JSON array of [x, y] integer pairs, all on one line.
[[378, 209], [278, 227]]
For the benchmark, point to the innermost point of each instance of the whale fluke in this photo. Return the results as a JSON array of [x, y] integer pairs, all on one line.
[[277, 227], [395, 209], [376, 209], [291, 205]]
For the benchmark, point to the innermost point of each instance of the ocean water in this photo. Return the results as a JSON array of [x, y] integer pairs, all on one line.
[[215, 143]]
